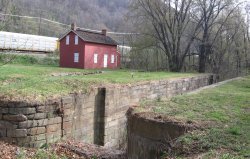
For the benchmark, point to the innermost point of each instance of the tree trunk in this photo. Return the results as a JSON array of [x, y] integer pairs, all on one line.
[[202, 59], [174, 64]]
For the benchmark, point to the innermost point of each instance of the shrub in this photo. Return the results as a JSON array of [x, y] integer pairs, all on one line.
[[28, 59]]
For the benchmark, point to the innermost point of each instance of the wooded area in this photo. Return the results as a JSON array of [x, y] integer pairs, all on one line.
[[94, 14], [214, 34]]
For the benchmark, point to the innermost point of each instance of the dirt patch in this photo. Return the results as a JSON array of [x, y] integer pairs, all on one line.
[[8, 151], [69, 149], [90, 151]]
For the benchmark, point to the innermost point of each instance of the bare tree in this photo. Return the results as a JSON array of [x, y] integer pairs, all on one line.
[[210, 12], [5, 7], [229, 46], [171, 25]]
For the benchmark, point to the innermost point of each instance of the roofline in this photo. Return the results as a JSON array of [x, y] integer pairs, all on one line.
[[100, 43], [67, 34], [84, 39]]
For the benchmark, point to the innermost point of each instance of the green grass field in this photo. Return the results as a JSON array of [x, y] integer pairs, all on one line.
[[37, 82], [225, 110]]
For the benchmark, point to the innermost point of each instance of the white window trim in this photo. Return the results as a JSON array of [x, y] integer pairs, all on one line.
[[76, 40], [76, 57], [95, 58], [112, 58], [67, 39]]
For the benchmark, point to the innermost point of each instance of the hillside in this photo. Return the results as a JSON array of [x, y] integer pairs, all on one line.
[[94, 14]]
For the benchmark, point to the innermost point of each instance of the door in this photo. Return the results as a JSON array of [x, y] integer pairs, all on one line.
[[105, 62]]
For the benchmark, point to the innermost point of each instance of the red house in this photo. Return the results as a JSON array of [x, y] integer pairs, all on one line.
[[88, 50]]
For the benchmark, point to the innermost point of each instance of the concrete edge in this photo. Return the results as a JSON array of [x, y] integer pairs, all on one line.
[[214, 85]]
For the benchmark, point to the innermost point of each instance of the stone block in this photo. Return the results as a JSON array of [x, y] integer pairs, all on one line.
[[68, 112], [18, 104], [67, 100], [55, 120], [37, 116], [113, 123], [89, 110], [29, 139], [33, 123], [24, 111], [67, 125], [16, 133], [3, 103], [41, 109], [68, 118], [68, 106], [67, 134], [53, 136], [36, 131], [89, 105], [53, 128], [3, 133], [6, 124], [4, 110], [39, 123], [46, 109], [15, 118]]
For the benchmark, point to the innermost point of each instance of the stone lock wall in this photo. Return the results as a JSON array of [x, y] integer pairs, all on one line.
[[35, 124], [147, 144], [119, 99], [97, 117], [29, 124]]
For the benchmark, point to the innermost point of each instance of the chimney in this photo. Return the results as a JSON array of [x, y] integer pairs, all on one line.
[[73, 26], [104, 32]]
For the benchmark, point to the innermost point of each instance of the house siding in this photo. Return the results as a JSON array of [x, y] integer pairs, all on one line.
[[101, 50], [86, 52], [67, 52]]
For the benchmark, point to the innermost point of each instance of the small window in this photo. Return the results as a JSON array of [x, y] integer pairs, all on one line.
[[76, 57], [113, 59], [95, 58], [67, 40], [76, 40]]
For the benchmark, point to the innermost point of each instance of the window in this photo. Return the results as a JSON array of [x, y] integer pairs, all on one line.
[[76, 40], [76, 57], [95, 58], [113, 59], [67, 40]]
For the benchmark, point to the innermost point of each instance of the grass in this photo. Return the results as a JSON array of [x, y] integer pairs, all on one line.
[[51, 60], [37, 82], [225, 110]]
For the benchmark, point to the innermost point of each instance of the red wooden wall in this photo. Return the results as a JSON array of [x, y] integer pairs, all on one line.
[[67, 52], [86, 52], [91, 49]]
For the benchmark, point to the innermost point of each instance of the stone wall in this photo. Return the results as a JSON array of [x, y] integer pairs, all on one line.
[[149, 134], [97, 117], [119, 99], [35, 124]]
